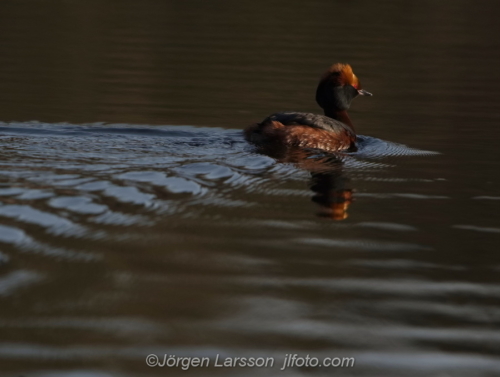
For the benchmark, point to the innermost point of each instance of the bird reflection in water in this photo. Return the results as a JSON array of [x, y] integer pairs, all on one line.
[[331, 194], [329, 182]]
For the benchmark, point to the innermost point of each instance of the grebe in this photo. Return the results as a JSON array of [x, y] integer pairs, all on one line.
[[331, 132]]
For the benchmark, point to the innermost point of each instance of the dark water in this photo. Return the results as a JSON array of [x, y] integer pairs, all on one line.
[[135, 219]]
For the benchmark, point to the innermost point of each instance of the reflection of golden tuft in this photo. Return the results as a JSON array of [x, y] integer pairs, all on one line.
[[338, 206]]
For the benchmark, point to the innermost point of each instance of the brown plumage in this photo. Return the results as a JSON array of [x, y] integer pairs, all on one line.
[[331, 132]]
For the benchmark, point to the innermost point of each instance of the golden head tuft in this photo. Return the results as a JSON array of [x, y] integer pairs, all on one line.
[[342, 74]]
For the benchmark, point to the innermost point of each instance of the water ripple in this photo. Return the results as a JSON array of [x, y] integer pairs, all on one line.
[[17, 280], [368, 245], [55, 224], [477, 228], [62, 176]]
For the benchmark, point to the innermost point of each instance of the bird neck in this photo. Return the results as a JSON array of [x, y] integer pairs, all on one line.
[[340, 115]]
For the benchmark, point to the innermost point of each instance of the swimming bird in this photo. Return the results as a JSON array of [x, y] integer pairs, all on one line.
[[332, 132]]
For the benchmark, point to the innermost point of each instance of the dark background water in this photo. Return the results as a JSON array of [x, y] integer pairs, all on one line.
[[155, 228]]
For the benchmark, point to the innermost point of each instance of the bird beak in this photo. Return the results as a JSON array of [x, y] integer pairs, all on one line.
[[363, 92]]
